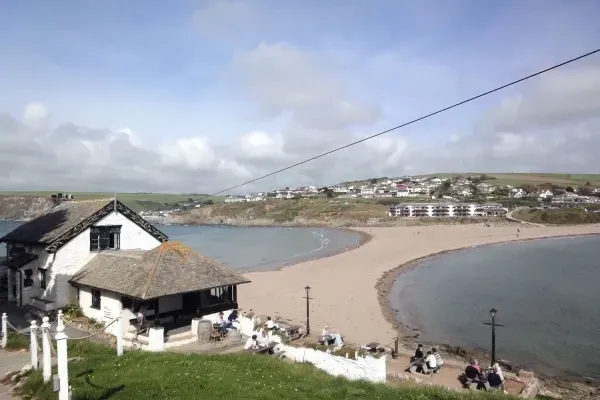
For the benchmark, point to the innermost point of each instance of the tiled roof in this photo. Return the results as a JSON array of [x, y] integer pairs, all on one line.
[[171, 268]]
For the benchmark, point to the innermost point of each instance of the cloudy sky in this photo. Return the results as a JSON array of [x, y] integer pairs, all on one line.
[[197, 96]]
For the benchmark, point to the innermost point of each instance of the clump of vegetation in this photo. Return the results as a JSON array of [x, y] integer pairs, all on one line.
[[17, 341], [72, 311], [141, 375]]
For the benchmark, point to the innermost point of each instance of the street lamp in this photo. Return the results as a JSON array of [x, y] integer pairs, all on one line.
[[493, 324], [307, 289]]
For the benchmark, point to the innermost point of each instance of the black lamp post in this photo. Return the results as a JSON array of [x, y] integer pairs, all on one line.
[[493, 324], [307, 289]]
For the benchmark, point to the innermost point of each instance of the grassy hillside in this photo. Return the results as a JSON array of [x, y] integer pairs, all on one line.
[[136, 201], [141, 375], [567, 216], [516, 179]]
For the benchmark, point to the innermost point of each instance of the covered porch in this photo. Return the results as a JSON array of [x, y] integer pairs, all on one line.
[[167, 289], [175, 313]]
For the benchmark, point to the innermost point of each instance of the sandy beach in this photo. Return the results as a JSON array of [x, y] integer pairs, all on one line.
[[349, 289]]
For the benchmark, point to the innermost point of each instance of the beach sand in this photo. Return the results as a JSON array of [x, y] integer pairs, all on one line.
[[349, 290]]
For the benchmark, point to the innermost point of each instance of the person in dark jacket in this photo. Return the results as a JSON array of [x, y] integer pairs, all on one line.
[[418, 353]]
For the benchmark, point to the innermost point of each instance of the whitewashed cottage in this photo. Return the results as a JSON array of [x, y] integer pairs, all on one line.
[[107, 259]]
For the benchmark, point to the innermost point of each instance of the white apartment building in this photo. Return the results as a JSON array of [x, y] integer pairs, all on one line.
[[439, 210]]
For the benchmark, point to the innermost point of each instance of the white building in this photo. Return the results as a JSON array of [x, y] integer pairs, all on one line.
[[439, 210], [109, 261]]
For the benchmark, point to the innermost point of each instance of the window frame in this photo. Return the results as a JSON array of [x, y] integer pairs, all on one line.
[[43, 278], [96, 295], [106, 237]]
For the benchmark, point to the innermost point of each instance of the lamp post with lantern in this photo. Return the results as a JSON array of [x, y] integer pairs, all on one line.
[[307, 289], [493, 324]]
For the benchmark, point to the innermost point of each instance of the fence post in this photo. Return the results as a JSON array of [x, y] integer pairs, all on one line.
[[62, 359], [120, 335], [46, 351], [4, 330], [33, 345]]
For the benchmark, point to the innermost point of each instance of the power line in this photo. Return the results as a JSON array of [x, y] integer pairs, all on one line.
[[562, 64]]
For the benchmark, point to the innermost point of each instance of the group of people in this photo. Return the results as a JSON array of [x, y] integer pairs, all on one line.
[[484, 379], [426, 363], [329, 338], [264, 336], [227, 323]]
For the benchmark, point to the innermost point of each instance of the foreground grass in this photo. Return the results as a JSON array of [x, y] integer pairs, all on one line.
[[139, 375]]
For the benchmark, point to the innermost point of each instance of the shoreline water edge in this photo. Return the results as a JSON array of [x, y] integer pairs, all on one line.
[[409, 335]]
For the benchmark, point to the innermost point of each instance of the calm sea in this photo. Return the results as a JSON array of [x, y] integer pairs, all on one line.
[[252, 249], [546, 291]]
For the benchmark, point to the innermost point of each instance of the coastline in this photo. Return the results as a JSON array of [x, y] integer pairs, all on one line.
[[409, 335], [346, 289], [386, 281]]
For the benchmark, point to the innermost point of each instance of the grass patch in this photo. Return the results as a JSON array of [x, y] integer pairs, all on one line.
[[140, 375], [565, 216], [16, 341]]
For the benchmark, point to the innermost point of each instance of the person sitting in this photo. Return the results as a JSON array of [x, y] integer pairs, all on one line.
[[222, 322], [476, 365], [233, 316], [418, 353], [270, 325], [495, 379], [471, 374], [430, 363], [338, 342], [327, 337], [251, 343], [438, 359], [263, 338]]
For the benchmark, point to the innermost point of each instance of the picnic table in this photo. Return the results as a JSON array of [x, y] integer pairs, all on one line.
[[264, 348], [372, 347]]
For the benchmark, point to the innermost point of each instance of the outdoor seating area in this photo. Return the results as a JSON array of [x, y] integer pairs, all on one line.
[[477, 378], [429, 363]]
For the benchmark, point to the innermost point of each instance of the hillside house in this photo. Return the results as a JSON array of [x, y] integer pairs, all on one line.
[[108, 260]]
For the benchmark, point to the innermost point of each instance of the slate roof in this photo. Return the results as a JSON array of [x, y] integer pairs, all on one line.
[[55, 222], [171, 268], [67, 220]]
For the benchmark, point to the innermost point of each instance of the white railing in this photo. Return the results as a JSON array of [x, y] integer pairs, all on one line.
[[34, 332]]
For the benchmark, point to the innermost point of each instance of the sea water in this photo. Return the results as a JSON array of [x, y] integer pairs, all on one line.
[[252, 248], [547, 293]]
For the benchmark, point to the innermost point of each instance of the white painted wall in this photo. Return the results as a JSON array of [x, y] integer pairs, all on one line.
[[110, 308], [365, 368], [73, 256]]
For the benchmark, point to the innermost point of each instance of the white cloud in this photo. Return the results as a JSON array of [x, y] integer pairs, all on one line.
[[35, 114]]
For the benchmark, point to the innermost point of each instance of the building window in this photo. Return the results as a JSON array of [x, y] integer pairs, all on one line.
[[28, 281], [96, 296], [43, 282], [105, 238]]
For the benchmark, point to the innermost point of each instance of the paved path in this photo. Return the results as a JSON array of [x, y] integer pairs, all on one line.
[[11, 361], [509, 216]]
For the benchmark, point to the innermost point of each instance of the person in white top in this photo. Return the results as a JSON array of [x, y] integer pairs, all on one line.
[[251, 343], [263, 338], [430, 363], [270, 325]]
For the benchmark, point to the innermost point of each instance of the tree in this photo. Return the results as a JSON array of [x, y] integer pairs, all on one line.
[[373, 181], [501, 191], [328, 192], [585, 191], [570, 189], [528, 188], [588, 183], [445, 187], [208, 202]]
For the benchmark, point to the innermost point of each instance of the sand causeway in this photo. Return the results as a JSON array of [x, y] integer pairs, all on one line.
[[349, 290]]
